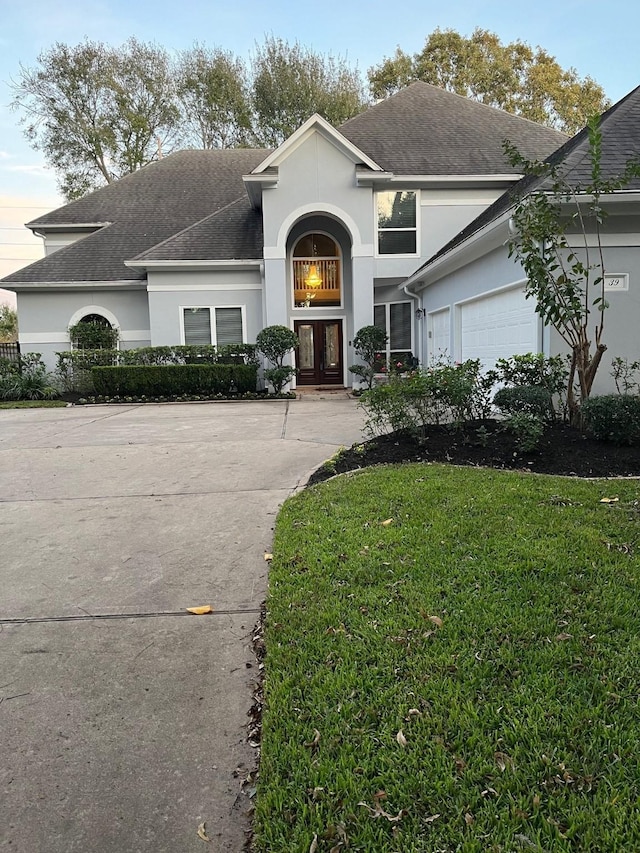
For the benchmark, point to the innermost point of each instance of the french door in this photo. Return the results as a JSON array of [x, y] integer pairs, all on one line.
[[319, 356]]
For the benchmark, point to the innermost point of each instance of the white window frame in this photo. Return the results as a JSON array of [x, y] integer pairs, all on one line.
[[387, 320], [377, 228], [315, 308], [212, 321]]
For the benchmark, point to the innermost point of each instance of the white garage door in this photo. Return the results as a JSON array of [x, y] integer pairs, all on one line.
[[498, 326], [439, 335]]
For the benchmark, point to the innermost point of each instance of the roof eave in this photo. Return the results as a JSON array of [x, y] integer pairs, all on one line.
[[483, 241], [200, 264]]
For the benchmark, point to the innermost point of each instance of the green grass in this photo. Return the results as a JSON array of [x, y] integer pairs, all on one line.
[[520, 712], [32, 404]]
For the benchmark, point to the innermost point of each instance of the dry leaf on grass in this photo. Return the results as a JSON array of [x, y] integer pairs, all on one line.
[[202, 832], [380, 812], [387, 522], [314, 844], [609, 500], [315, 741], [503, 761], [401, 738], [563, 636], [267, 556], [469, 819], [436, 620], [431, 819], [201, 610]]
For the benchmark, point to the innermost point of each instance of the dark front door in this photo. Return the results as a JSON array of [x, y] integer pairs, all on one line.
[[319, 356]]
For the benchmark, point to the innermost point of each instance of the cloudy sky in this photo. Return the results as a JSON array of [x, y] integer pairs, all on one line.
[[597, 39]]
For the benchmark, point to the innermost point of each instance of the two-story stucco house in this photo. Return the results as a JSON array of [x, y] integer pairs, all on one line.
[[320, 235]]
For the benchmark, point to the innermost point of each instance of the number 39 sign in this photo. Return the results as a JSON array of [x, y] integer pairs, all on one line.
[[616, 282]]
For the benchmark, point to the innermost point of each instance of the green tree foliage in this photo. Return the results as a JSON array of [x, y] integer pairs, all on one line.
[[514, 77], [565, 274], [8, 324], [213, 94], [97, 112], [291, 82]]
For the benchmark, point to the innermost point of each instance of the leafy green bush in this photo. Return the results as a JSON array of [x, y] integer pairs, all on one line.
[[626, 375], [368, 342], [613, 417], [73, 367], [26, 379], [531, 399], [93, 334], [275, 343], [172, 380], [527, 428], [445, 393], [533, 369]]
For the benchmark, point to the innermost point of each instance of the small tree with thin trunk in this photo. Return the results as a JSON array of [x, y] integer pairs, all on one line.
[[551, 227], [275, 343]]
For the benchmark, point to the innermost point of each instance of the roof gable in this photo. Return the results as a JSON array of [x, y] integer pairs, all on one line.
[[315, 124]]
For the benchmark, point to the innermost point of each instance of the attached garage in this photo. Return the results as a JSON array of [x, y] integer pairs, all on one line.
[[498, 325]]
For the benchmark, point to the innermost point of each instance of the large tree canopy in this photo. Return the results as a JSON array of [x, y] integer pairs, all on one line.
[[213, 93], [291, 82], [97, 112], [514, 77]]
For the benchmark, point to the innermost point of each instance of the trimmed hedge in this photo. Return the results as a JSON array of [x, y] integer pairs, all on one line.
[[613, 417], [74, 366], [174, 379]]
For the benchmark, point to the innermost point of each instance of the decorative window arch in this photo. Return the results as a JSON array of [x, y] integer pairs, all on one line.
[[96, 314], [317, 271]]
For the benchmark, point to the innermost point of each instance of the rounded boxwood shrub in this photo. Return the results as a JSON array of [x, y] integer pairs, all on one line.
[[528, 399], [613, 417]]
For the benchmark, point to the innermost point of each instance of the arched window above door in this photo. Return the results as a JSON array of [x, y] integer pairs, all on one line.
[[317, 273]]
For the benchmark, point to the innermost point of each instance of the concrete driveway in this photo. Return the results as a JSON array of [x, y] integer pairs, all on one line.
[[122, 720]]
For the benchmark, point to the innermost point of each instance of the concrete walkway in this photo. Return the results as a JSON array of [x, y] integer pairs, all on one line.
[[124, 733]]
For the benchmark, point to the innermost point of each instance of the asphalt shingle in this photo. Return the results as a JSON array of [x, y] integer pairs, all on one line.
[[620, 126], [424, 130], [144, 209]]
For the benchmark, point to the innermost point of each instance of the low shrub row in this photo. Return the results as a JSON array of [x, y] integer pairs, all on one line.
[[614, 418], [74, 366], [174, 380]]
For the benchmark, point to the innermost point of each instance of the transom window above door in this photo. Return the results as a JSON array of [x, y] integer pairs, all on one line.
[[317, 274]]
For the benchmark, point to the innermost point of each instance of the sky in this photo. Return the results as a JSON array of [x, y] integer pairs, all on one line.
[[597, 39]]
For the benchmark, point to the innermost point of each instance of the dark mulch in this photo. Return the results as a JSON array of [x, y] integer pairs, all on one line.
[[562, 450]]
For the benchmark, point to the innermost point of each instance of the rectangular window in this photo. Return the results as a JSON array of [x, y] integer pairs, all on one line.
[[396, 318], [226, 328], [397, 223], [197, 326]]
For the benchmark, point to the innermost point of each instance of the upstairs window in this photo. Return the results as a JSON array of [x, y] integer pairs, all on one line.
[[397, 223]]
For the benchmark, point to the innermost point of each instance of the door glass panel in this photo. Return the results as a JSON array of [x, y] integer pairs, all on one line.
[[331, 345], [305, 353]]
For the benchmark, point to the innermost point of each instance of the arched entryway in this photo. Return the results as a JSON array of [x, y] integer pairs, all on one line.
[[319, 298]]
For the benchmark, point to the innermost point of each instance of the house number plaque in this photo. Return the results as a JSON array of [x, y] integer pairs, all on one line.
[[619, 281]]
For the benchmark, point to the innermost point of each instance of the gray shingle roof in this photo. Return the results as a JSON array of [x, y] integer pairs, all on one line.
[[620, 126], [144, 209], [235, 232], [424, 130]]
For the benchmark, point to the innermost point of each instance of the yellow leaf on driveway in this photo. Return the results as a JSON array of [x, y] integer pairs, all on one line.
[[202, 832], [201, 610]]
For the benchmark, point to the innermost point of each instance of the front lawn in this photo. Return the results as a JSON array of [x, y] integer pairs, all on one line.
[[452, 665], [32, 404]]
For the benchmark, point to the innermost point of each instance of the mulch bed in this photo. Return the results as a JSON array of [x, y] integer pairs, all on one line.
[[562, 450]]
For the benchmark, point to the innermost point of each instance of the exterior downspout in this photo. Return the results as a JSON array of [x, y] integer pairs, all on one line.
[[405, 288]]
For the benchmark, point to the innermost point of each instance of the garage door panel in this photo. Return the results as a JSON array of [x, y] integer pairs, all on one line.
[[439, 330], [498, 326]]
